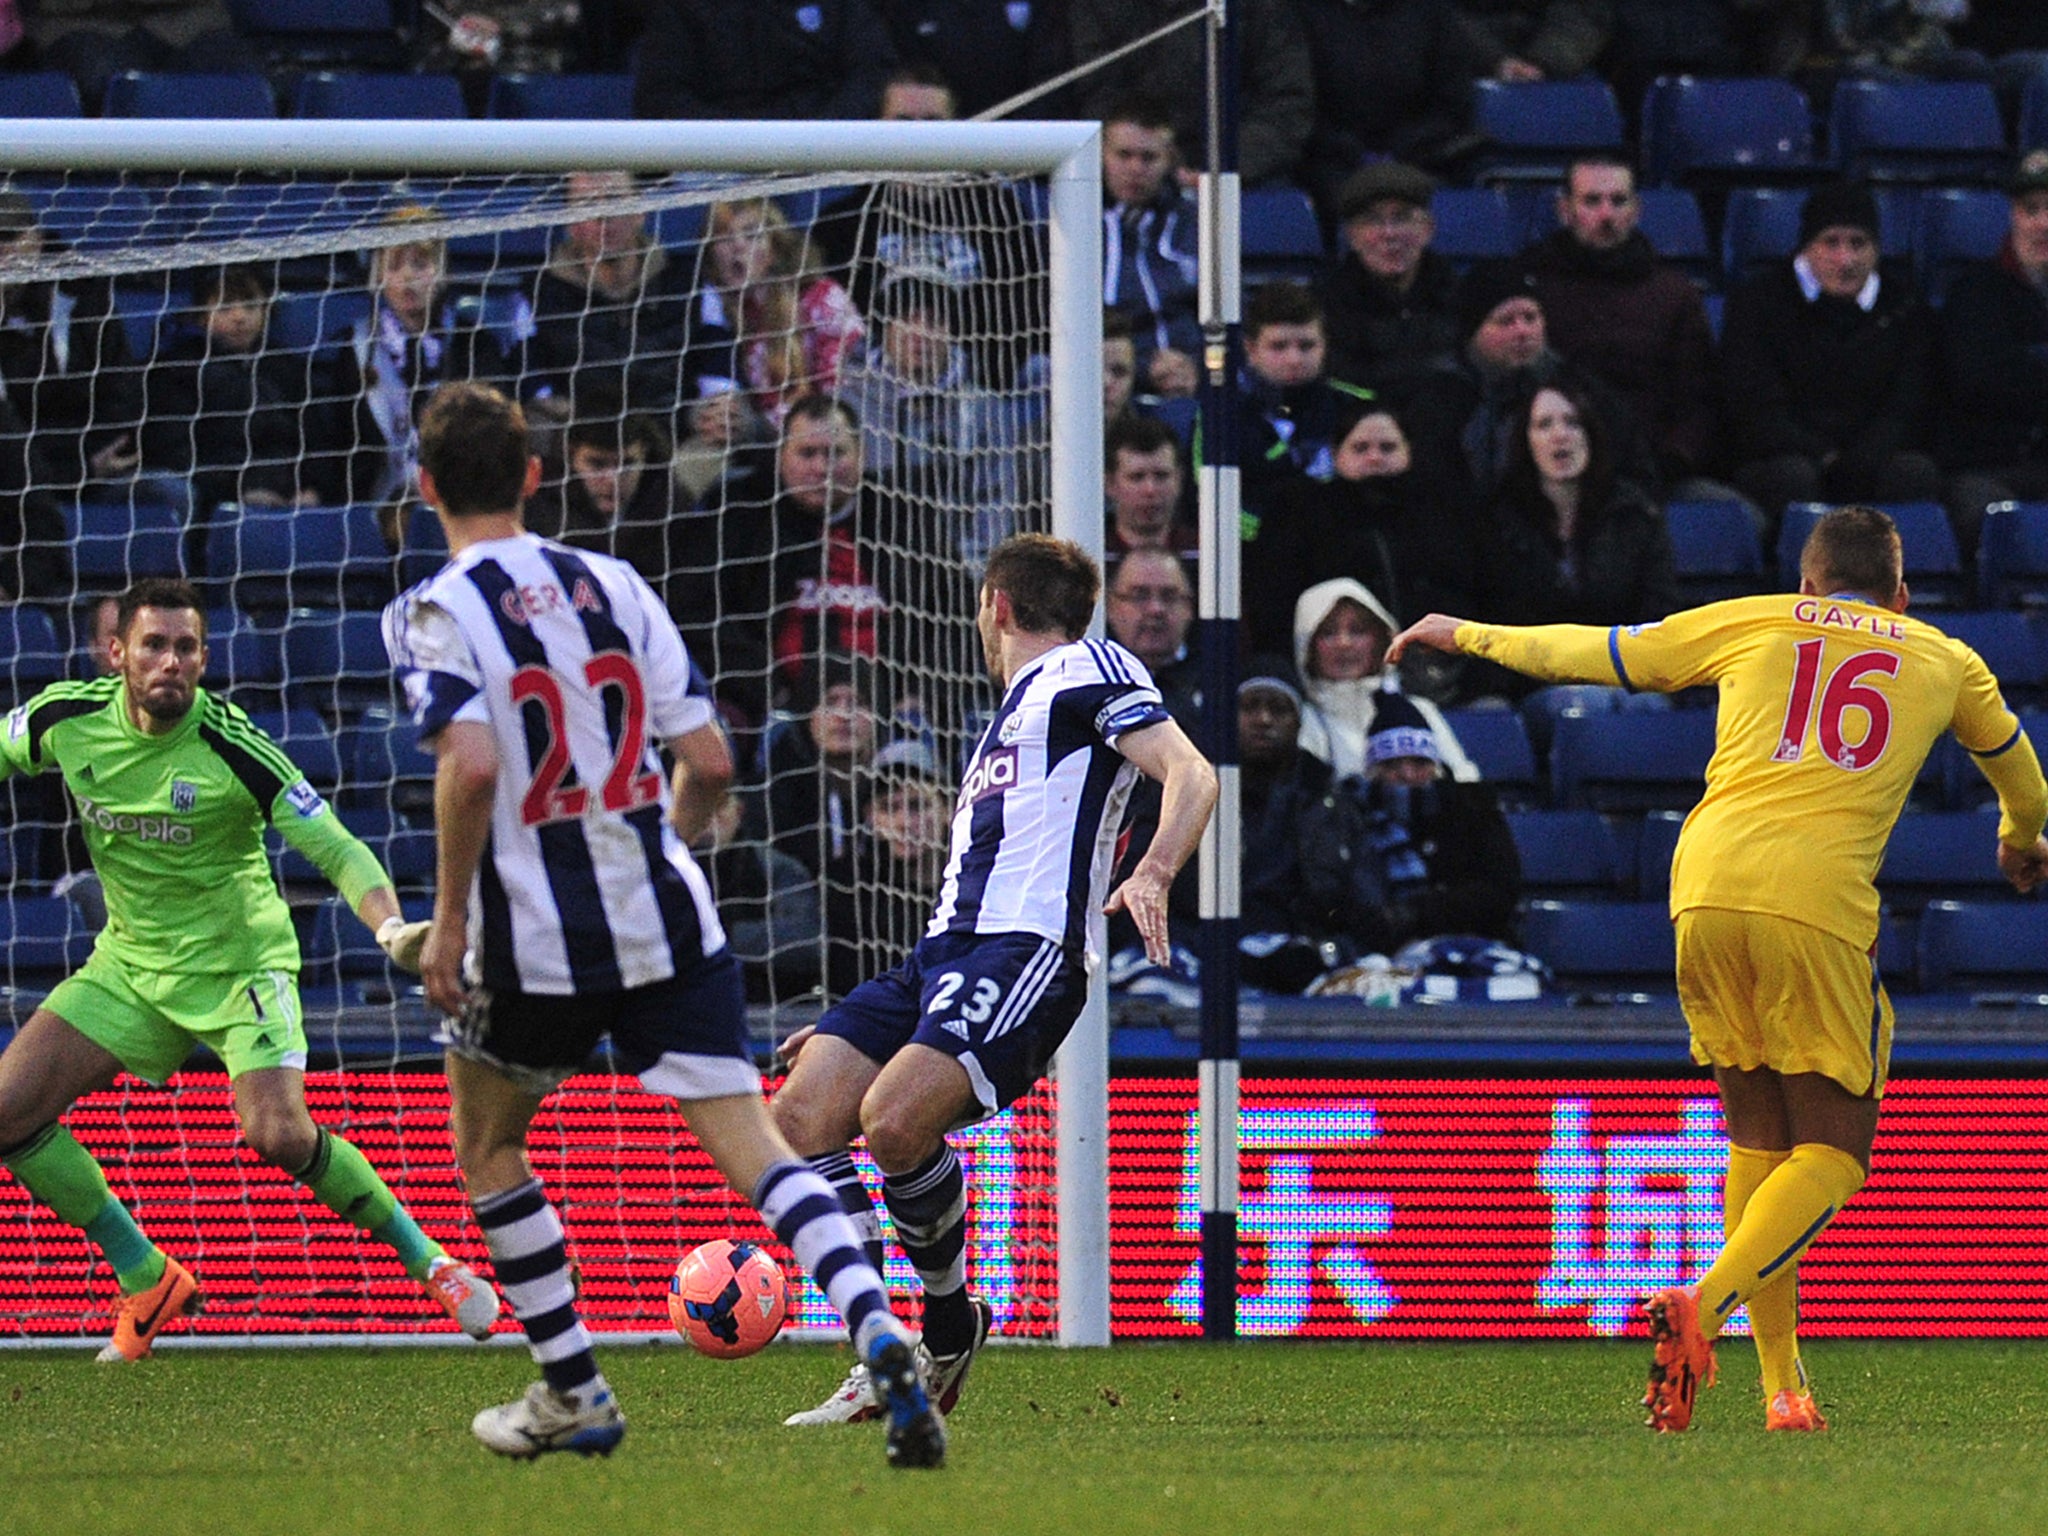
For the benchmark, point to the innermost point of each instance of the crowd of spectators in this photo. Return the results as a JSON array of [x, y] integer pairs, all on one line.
[[807, 429]]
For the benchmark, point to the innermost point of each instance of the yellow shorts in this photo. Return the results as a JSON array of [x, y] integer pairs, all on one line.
[[1764, 991]]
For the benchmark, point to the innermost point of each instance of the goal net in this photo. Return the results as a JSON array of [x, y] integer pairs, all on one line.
[[802, 376]]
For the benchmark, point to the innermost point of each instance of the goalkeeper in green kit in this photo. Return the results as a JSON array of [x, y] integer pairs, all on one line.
[[174, 788]]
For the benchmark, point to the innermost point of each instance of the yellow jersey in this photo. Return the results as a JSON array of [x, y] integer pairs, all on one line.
[[1828, 708]]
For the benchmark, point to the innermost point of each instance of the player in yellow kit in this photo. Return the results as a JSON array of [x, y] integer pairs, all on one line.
[[1830, 701]]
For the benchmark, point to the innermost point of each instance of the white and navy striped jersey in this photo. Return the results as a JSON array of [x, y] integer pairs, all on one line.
[[1035, 830], [576, 667]]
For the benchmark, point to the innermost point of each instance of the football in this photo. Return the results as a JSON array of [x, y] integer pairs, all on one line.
[[727, 1298]]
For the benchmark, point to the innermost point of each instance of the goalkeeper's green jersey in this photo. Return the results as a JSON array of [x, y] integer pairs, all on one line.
[[174, 824]]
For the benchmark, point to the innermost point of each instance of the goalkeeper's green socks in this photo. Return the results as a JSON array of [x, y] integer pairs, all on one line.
[[342, 1179], [54, 1168]]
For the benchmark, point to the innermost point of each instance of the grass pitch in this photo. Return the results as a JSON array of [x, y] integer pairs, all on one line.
[[1246, 1440]]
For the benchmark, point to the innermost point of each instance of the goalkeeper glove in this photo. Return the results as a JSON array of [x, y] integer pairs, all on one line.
[[403, 941]]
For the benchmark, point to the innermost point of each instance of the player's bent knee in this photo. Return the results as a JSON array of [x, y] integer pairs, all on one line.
[[813, 1123], [900, 1136], [282, 1141]]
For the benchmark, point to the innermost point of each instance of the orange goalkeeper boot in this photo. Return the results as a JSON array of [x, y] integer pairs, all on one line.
[[1683, 1362], [1795, 1411], [139, 1318]]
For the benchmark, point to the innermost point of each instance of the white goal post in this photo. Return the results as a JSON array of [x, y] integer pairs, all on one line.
[[1064, 155]]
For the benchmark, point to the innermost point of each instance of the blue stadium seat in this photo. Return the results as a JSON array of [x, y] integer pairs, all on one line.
[[1970, 945], [1603, 945], [1498, 742], [272, 558], [1279, 236], [1567, 854], [1536, 127], [1475, 224], [336, 662], [1631, 760], [338, 945], [1934, 561], [307, 741], [588, 98], [2011, 644], [30, 651], [1917, 130], [364, 33], [39, 93], [244, 661], [135, 93], [378, 96], [1936, 855], [1715, 551], [43, 939], [96, 216], [1698, 127], [1677, 231], [388, 766], [425, 547], [2032, 132], [114, 542], [304, 321], [1656, 842], [1957, 225], [2012, 554], [1760, 225]]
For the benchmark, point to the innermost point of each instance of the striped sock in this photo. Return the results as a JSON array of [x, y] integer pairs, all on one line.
[[836, 1169], [532, 1263], [802, 1210], [1773, 1307], [929, 1207]]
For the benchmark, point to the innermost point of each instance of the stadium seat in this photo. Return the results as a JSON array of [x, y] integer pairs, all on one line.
[[1567, 854], [1969, 945], [30, 650], [1603, 945], [95, 216], [39, 93], [307, 741], [2012, 554], [1677, 231], [1957, 225], [272, 558], [135, 93], [363, 33], [1536, 127], [1631, 760], [244, 661], [1475, 224], [425, 548], [589, 98], [379, 97], [1498, 742], [1697, 127], [1760, 225], [1656, 842], [1715, 551], [300, 322], [1934, 562], [1937, 855], [1917, 130], [339, 946], [115, 542], [2011, 644], [2032, 132], [388, 766], [336, 662], [43, 939], [1278, 234]]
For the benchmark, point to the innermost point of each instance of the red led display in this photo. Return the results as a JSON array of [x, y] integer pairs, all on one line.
[[1398, 1207]]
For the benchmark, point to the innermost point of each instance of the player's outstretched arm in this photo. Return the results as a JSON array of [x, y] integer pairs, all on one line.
[[1164, 752], [703, 775], [465, 785], [1436, 632]]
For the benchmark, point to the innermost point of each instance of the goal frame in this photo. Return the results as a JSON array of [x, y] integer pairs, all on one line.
[[1067, 153]]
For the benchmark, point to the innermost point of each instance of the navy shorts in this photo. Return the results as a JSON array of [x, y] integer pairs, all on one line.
[[685, 1036], [999, 1004]]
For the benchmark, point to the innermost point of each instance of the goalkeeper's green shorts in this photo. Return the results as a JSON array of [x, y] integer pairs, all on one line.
[[151, 1021]]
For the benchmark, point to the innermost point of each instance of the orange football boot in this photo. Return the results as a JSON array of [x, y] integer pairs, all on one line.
[[1795, 1411], [1684, 1359], [139, 1318]]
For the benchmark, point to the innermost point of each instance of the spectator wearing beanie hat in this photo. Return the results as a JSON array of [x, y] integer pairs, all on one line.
[[1447, 859], [1826, 368], [1390, 303], [1465, 418]]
